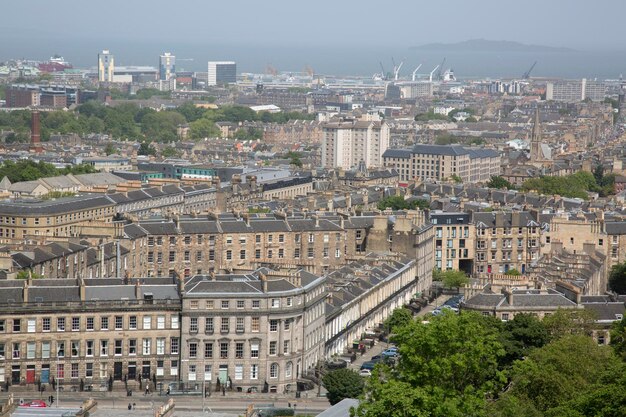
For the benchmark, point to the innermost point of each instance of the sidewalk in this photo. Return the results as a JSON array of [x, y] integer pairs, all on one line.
[[380, 346]]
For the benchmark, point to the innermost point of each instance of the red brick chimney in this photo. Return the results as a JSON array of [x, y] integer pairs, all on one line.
[[35, 138]]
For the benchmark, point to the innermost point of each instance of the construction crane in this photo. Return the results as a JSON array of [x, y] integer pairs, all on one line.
[[383, 74], [415, 72], [527, 73]]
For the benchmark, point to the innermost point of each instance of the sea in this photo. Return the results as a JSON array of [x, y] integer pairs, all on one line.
[[330, 59]]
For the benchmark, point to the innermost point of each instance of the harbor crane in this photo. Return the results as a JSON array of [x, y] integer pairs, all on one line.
[[527, 73], [430, 78], [415, 72], [440, 66]]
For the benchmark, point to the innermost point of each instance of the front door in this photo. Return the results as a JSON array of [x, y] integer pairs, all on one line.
[[30, 374], [117, 371], [132, 370], [45, 374], [145, 370], [15, 374], [223, 374]]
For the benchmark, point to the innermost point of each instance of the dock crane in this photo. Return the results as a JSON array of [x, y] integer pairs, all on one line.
[[527, 73], [440, 66], [383, 74], [396, 71], [415, 72], [430, 78]]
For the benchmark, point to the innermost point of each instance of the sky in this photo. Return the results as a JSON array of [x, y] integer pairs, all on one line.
[[572, 23], [333, 36]]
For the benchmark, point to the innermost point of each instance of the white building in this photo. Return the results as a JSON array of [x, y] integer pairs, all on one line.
[[222, 72], [347, 143], [106, 66], [575, 90], [443, 110]]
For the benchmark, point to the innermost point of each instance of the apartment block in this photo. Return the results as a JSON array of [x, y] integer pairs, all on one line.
[[348, 143], [454, 241], [441, 162]]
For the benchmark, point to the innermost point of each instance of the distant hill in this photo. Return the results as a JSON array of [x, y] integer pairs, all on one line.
[[485, 45]]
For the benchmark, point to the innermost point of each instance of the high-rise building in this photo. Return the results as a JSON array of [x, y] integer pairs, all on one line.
[[222, 72], [576, 90], [167, 66], [349, 143], [106, 66]]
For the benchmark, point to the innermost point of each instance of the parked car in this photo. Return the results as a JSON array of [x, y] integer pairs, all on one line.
[[369, 365], [377, 358], [389, 353], [365, 372], [35, 403]]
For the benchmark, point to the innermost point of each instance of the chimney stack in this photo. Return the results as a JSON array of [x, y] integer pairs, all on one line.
[[35, 136]]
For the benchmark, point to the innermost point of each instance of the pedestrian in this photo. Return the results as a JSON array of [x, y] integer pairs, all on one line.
[[147, 388], [130, 406]]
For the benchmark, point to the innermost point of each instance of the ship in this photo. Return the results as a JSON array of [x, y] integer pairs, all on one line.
[[54, 64]]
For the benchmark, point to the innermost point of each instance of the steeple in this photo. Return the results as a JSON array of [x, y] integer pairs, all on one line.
[[535, 139]]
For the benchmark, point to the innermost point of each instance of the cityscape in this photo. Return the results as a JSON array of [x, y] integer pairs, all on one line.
[[189, 231]]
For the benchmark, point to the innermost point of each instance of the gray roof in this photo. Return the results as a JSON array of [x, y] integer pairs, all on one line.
[[55, 206]]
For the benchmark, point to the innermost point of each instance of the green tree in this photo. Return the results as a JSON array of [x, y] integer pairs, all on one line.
[[454, 279], [342, 383], [513, 272], [564, 322], [203, 128], [27, 273], [522, 334], [618, 338], [170, 152], [448, 367], [399, 317], [145, 148], [446, 139], [497, 181], [456, 178], [617, 278], [558, 372], [110, 149]]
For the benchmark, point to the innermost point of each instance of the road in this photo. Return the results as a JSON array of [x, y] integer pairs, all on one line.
[[47, 412]]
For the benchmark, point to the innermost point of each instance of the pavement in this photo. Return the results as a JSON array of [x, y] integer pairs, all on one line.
[[46, 412]]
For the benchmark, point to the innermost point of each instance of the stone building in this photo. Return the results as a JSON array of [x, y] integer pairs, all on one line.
[[454, 241], [251, 331], [83, 332]]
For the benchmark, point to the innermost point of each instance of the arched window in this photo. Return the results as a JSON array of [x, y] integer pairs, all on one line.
[[288, 369], [274, 370]]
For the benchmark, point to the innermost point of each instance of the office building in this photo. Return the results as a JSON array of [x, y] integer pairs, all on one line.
[[221, 73], [22, 96], [348, 143], [441, 162], [167, 66], [106, 66]]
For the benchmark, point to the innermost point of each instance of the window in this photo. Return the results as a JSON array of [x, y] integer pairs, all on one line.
[[224, 350], [75, 324], [208, 350], [225, 304], [273, 347], [174, 344], [31, 325], [104, 348], [74, 372], [240, 304], [147, 346], [30, 350], [198, 256], [240, 325], [239, 350], [242, 254], [89, 370], [275, 302], [273, 325], [174, 321], [60, 324], [119, 322], [287, 324], [296, 253], [104, 323], [229, 255], [256, 303], [192, 373], [257, 254], [172, 256], [286, 346], [193, 350], [238, 372], [288, 369], [118, 348], [132, 322], [207, 372], [208, 325], [147, 322], [90, 325], [2, 326], [193, 325], [254, 371], [132, 346], [45, 350], [160, 346], [310, 253], [289, 301], [16, 351], [225, 325], [254, 350], [505, 316], [274, 370]]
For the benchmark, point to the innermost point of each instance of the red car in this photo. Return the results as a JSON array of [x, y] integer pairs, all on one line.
[[35, 403]]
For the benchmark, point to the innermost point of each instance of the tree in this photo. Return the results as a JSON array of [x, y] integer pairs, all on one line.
[[170, 152], [397, 202], [294, 158], [454, 279], [109, 149], [456, 178], [617, 278], [513, 272], [558, 372], [564, 322], [448, 367], [618, 338], [203, 128], [522, 334], [145, 148], [497, 181], [399, 317], [342, 383]]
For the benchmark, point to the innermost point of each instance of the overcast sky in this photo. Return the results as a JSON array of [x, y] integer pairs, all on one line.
[[583, 24]]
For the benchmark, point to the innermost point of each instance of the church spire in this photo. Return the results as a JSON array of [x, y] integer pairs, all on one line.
[[535, 139]]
